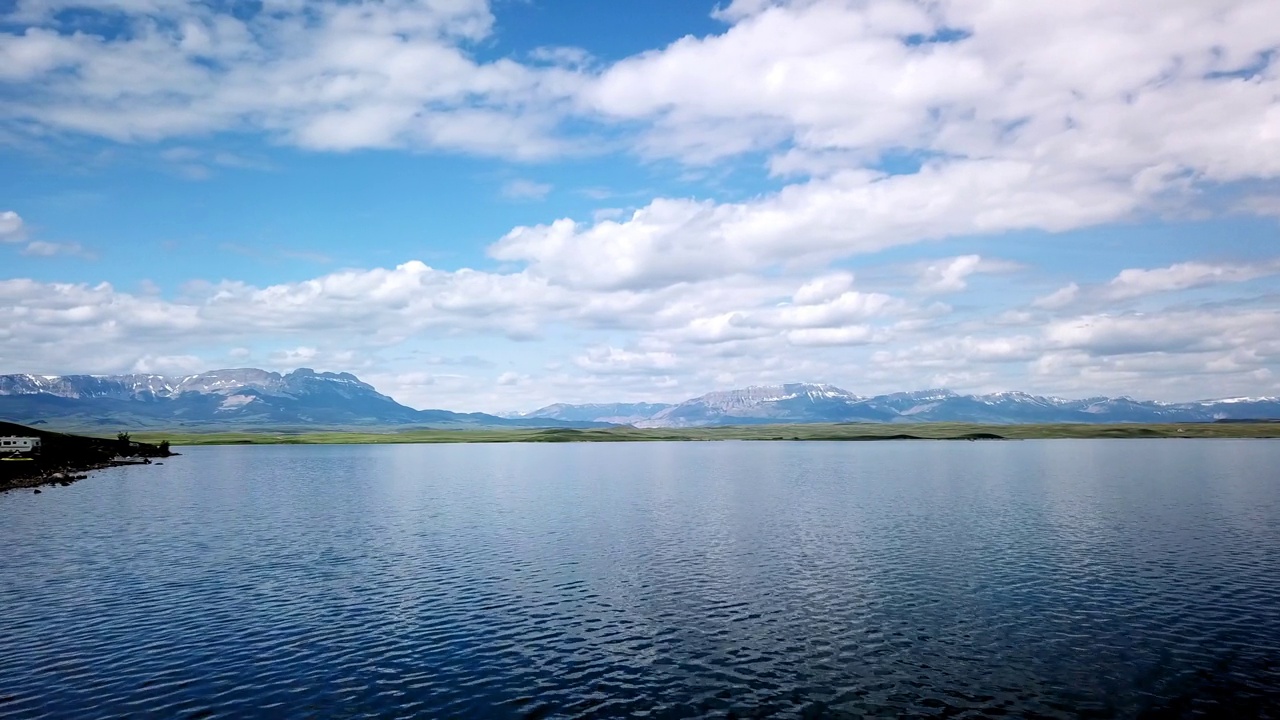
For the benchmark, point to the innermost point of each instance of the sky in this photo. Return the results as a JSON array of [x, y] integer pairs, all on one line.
[[492, 205]]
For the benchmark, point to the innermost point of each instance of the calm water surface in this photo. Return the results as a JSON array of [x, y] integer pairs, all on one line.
[[1024, 579]]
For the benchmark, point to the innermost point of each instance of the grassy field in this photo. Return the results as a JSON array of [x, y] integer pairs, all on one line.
[[844, 431]]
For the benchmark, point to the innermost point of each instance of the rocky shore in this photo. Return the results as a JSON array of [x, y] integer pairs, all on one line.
[[64, 459]]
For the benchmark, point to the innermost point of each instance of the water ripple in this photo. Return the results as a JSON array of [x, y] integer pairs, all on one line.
[[1065, 579]]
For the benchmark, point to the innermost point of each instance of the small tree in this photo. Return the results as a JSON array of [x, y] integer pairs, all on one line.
[[123, 444], [164, 448]]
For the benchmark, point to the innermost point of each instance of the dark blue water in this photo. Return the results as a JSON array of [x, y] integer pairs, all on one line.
[[1024, 579]]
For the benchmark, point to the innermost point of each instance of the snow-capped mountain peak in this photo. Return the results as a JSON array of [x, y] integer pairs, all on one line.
[[307, 397]]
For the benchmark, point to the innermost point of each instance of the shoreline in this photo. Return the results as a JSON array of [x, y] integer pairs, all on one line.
[[63, 458], [62, 475], [851, 432]]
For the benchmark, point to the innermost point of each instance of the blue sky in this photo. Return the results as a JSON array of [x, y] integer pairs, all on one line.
[[496, 205]]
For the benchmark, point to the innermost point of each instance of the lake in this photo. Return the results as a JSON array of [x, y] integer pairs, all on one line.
[[1112, 578]]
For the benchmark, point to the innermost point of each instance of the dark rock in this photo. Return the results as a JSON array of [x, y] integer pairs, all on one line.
[[63, 458]]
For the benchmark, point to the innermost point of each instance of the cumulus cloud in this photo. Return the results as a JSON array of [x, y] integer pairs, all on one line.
[[968, 348], [1182, 354], [1183, 276], [1260, 204], [968, 79], [10, 226], [332, 76], [508, 379], [361, 319], [883, 124], [846, 335], [612, 360], [847, 307], [823, 289], [378, 307], [1132, 283], [952, 274], [1165, 91], [1059, 298], [671, 342], [169, 365], [14, 230], [1007, 129], [301, 355], [1010, 129], [1174, 331], [852, 213]]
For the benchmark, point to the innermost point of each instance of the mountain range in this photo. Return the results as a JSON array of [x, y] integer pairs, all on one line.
[[226, 399], [810, 403], [250, 398]]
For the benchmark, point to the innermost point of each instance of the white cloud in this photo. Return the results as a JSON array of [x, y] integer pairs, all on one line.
[[10, 226], [611, 360], [394, 324], [823, 289], [169, 365], [332, 76], [571, 57], [41, 248], [851, 213], [1012, 129], [300, 355], [1173, 331], [1032, 117], [507, 379], [1134, 283], [848, 335], [1100, 86], [952, 274], [1260, 204], [13, 230], [851, 306], [1183, 276], [359, 318], [1059, 298], [197, 164], [521, 189], [1172, 354], [1175, 376], [963, 349], [1147, 95]]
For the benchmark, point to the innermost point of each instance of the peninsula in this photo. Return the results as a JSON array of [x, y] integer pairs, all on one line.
[[53, 458]]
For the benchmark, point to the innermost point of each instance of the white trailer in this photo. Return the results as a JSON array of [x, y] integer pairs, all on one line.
[[18, 445]]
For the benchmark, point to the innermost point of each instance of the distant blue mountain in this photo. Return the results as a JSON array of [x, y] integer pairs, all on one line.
[[250, 398], [618, 413], [228, 399], [809, 403]]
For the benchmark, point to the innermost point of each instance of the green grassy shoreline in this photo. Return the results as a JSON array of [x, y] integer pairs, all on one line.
[[843, 431]]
